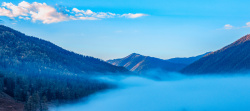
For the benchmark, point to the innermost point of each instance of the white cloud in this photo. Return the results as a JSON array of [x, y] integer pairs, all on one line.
[[48, 14], [16, 10], [25, 4], [247, 24], [76, 10], [67, 10], [130, 15], [105, 15], [89, 12], [228, 26], [24, 18], [87, 18], [36, 11], [5, 12]]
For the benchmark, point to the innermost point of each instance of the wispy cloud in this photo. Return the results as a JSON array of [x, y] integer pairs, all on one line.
[[228, 26], [247, 24], [130, 15], [47, 14]]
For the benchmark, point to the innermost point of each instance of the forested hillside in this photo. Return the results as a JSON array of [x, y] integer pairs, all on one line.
[[37, 73], [35, 91], [32, 55]]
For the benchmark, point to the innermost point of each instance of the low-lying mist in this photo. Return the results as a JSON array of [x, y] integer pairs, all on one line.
[[174, 92]]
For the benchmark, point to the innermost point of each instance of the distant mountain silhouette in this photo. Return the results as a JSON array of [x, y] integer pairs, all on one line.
[[19, 52], [186, 60], [139, 63], [234, 58]]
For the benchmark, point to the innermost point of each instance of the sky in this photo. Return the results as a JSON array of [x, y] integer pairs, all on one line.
[[109, 29]]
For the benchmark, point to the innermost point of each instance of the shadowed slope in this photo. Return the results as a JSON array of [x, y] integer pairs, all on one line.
[[33, 55]]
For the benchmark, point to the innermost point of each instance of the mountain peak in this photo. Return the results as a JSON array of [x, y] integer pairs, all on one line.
[[243, 39], [140, 63], [134, 54]]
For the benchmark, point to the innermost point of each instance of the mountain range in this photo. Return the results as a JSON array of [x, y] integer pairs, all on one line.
[[140, 63], [233, 58], [27, 54]]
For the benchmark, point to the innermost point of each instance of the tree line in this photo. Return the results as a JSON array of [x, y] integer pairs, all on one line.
[[37, 90]]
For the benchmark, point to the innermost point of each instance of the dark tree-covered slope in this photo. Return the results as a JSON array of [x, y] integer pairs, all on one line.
[[35, 72], [33, 55], [34, 92], [139, 63], [234, 58]]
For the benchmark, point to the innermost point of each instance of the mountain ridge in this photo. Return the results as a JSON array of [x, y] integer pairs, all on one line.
[[35, 54], [187, 60], [139, 63], [232, 58]]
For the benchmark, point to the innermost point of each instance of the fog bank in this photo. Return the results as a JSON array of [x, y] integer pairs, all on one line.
[[200, 93]]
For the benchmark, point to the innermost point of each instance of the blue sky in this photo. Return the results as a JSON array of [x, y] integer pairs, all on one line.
[[161, 28]]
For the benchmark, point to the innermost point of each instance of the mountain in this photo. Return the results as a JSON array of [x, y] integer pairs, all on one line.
[[234, 58], [186, 60], [139, 63], [35, 73], [26, 54]]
